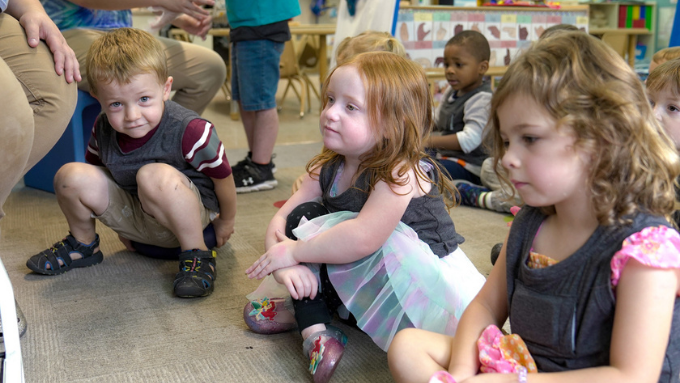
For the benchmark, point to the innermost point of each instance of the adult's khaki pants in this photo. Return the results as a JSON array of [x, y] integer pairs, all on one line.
[[35, 104]]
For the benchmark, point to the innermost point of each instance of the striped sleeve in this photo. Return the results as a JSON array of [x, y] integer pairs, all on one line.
[[92, 153], [204, 151]]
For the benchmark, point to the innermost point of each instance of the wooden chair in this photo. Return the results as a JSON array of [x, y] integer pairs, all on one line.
[[182, 35], [308, 61], [289, 70], [617, 41]]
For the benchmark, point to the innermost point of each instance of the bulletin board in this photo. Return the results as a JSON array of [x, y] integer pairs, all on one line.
[[424, 31]]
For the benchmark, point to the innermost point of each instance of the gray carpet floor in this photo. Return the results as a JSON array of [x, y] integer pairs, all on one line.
[[120, 322]]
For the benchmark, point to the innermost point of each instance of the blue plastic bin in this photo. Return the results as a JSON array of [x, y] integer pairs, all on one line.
[[71, 146]]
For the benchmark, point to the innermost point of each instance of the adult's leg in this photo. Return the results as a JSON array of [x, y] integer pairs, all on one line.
[[262, 128], [16, 128], [198, 73], [80, 40], [255, 78], [36, 104]]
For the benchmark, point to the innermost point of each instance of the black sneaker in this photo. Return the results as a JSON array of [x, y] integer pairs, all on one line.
[[253, 177], [241, 164]]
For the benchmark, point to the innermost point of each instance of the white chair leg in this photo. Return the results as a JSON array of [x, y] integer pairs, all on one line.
[[13, 369]]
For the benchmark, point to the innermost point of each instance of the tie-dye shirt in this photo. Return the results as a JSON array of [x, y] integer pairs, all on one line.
[[68, 15]]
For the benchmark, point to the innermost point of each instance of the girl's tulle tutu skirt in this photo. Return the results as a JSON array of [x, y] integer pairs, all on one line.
[[403, 284]]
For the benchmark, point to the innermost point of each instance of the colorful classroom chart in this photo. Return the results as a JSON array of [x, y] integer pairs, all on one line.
[[424, 33]]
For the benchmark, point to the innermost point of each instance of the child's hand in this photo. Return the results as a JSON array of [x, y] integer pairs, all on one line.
[[224, 228], [299, 280], [278, 256], [494, 378]]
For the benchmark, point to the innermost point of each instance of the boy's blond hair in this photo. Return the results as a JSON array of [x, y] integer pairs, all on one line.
[[666, 54], [368, 41], [122, 54], [665, 76]]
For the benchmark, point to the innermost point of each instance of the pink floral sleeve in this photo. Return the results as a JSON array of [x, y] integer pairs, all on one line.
[[653, 246]]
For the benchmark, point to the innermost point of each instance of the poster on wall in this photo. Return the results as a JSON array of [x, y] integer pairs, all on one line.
[[424, 33]]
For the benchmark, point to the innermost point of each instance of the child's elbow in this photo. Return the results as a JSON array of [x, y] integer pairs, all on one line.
[[366, 246]]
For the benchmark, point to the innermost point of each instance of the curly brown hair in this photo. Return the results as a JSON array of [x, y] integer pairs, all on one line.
[[399, 107], [585, 85]]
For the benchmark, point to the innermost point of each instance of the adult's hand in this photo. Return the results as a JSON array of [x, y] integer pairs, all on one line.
[[38, 27], [188, 7], [196, 27]]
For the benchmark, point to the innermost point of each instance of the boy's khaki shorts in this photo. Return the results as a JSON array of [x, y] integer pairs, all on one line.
[[125, 216]]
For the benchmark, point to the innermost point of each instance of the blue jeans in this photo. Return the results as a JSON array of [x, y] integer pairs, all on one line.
[[255, 73], [458, 172]]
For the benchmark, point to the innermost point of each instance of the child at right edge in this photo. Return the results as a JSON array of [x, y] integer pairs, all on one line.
[[589, 275], [662, 56], [663, 89]]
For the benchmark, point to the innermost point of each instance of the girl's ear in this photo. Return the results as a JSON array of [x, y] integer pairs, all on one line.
[[167, 87]]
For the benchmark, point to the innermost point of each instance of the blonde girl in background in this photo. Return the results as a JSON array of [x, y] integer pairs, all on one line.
[[380, 249], [589, 275]]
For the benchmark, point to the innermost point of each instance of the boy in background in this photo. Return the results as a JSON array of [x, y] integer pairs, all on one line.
[[464, 110], [662, 56], [156, 172], [663, 89]]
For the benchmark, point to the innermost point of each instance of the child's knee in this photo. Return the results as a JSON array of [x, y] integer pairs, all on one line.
[[308, 210], [400, 347], [402, 341], [74, 175], [155, 177]]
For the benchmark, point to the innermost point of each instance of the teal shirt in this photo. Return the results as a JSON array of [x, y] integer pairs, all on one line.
[[67, 15], [243, 13]]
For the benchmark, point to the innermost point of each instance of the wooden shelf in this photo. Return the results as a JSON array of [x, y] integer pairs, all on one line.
[[605, 19], [627, 31]]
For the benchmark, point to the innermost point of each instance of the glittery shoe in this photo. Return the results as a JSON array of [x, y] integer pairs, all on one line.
[[324, 349], [268, 316]]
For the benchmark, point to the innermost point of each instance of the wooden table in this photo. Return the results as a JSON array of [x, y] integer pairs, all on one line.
[[630, 34], [321, 30]]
